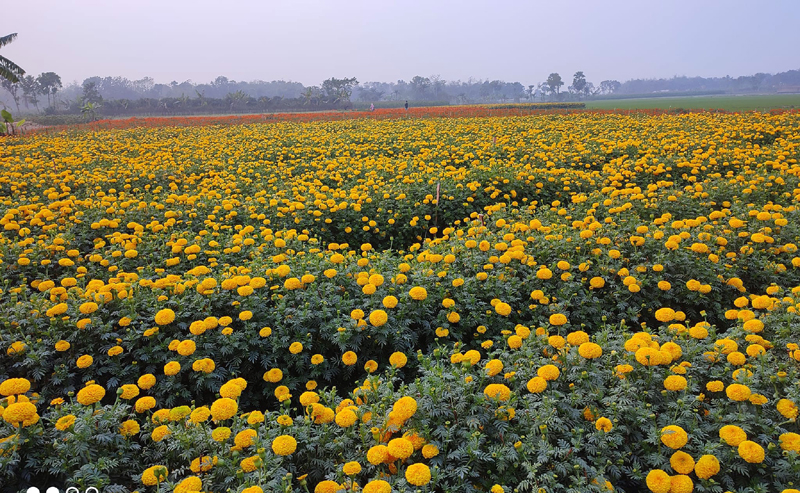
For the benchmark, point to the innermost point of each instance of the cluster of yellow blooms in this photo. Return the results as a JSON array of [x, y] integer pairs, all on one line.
[[167, 256]]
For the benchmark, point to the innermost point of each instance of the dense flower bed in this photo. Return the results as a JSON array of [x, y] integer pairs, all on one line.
[[565, 302]]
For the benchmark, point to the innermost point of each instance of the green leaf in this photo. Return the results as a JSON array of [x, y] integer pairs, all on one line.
[[7, 116]]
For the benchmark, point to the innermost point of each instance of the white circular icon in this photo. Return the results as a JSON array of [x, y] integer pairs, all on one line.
[[52, 489], [33, 489]]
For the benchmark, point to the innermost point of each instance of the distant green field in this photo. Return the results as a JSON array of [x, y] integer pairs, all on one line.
[[729, 103]]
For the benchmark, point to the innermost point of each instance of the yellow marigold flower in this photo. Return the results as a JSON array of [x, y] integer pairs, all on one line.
[[674, 436], [161, 416], [681, 462], [597, 282], [418, 474], [378, 318], [250, 464], [648, 356], [681, 484], [429, 451], [129, 428], [377, 486], [221, 433], [296, 348], [65, 422], [187, 348], [165, 317], [621, 370], [14, 386], [351, 468], [189, 485], [327, 486], [754, 325], [57, 310], [558, 319], [200, 415], [317, 359], [62, 346], [732, 435], [274, 375], [536, 385], [349, 358], [203, 464], [675, 383], [85, 361], [577, 338], [146, 381], [405, 407], [790, 442], [172, 368], [603, 424], [378, 454], [557, 342], [284, 445], [308, 398], [751, 452], [493, 367], [715, 386], [658, 481], [503, 309], [245, 438], [514, 342], [498, 391], [398, 359], [370, 366], [223, 408], [346, 418], [401, 448], [706, 467], [665, 315], [144, 404], [788, 409], [390, 301], [418, 293], [154, 475], [590, 350], [738, 392], [88, 308], [91, 394]]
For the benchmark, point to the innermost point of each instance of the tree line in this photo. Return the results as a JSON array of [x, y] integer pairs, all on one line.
[[119, 96]]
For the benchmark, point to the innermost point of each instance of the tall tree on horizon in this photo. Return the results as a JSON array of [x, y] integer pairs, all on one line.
[[8, 69]]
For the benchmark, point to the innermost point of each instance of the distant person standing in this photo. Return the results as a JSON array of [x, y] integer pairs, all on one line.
[[406, 105], [372, 106]]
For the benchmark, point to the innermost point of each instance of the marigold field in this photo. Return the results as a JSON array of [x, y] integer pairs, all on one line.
[[562, 302]]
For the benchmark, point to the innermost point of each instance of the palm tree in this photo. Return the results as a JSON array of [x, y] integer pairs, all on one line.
[[8, 69]]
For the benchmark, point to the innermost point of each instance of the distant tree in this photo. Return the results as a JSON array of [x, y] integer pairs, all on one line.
[[13, 89], [90, 110], [590, 90], [339, 89], [554, 83], [420, 86], [437, 85], [90, 93], [8, 69], [31, 91], [609, 86], [543, 89], [578, 82], [50, 82], [236, 99], [531, 91]]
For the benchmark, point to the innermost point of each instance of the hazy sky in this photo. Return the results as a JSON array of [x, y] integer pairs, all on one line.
[[386, 40]]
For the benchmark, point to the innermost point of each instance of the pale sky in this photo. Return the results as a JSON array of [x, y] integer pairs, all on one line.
[[386, 40]]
